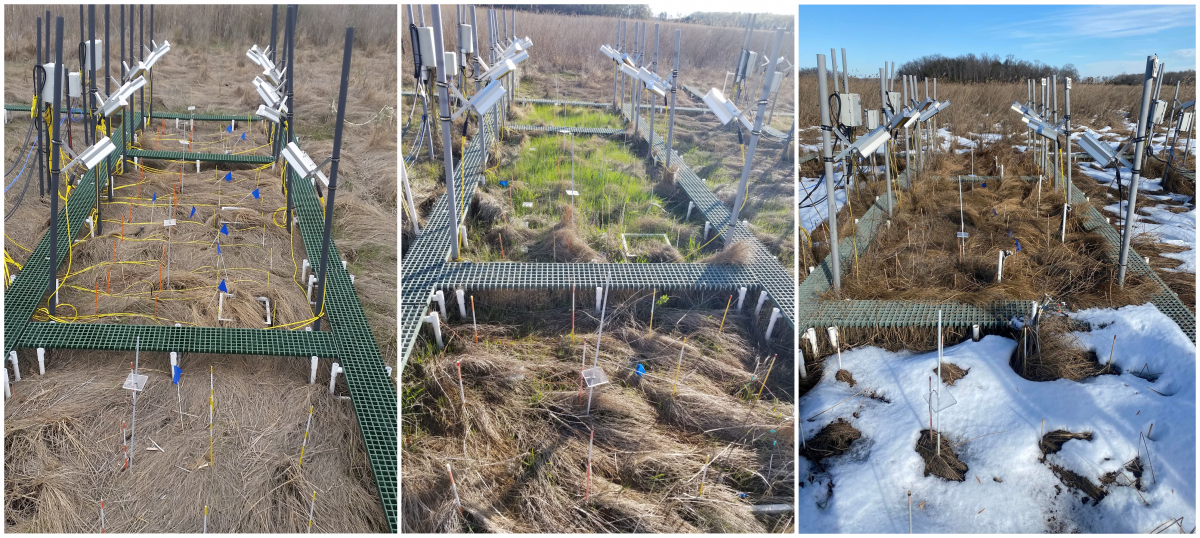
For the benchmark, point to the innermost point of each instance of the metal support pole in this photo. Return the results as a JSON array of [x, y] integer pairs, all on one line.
[[90, 71], [887, 155], [640, 36], [616, 66], [1057, 152], [281, 139], [845, 72], [1140, 144], [833, 62], [674, 87], [55, 143], [827, 156], [275, 24], [447, 149], [1067, 117], [650, 96], [333, 172], [907, 137], [39, 121], [754, 135], [107, 121], [87, 130], [142, 56]]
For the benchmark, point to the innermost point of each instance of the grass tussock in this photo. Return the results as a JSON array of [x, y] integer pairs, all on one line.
[[1052, 352], [944, 464], [833, 440], [519, 446]]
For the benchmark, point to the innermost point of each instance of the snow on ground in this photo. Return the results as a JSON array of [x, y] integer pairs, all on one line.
[[813, 214], [1177, 229], [871, 480]]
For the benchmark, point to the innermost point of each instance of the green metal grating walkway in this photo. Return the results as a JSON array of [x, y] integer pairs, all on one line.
[[204, 157], [425, 268], [349, 341], [877, 313]]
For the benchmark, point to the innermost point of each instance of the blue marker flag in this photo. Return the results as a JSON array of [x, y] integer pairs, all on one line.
[[222, 286], [229, 129], [243, 136], [504, 183], [641, 370], [228, 176], [178, 372], [218, 248], [255, 193], [194, 212], [993, 212], [225, 229], [154, 198], [984, 184], [1018, 245], [1009, 231]]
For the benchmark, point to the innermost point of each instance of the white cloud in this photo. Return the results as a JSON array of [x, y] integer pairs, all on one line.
[[1104, 22], [1184, 53]]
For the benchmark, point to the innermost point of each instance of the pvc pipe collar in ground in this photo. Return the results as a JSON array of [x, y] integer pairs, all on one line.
[[41, 351], [333, 373], [775, 314], [12, 356], [432, 320], [762, 298]]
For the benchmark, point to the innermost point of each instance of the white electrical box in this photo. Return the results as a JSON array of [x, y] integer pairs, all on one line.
[[466, 39], [88, 62], [1185, 123], [451, 62], [1158, 111], [47, 95], [751, 63], [425, 42], [894, 101], [776, 80], [74, 85], [872, 119], [850, 111]]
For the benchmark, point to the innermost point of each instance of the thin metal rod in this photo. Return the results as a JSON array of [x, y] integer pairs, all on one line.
[[671, 114], [754, 135], [55, 152]]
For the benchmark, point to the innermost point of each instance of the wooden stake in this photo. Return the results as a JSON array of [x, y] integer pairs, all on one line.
[[1110, 353], [727, 303], [473, 323], [654, 291], [764, 379]]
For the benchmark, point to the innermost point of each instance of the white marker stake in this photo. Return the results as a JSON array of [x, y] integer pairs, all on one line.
[[587, 491], [310, 511], [7, 387], [12, 357], [205, 531], [939, 375], [101, 516], [41, 353], [304, 444], [454, 487], [461, 394]]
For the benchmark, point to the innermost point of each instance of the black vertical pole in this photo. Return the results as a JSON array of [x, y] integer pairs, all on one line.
[[274, 32], [126, 141], [91, 67], [333, 172], [52, 265], [142, 56], [107, 91], [289, 54], [151, 74], [38, 119], [83, 101]]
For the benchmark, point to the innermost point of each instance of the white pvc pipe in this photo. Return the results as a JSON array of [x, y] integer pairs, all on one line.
[[741, 297], [462, 303], [41, 352], [197, 166], [333, 373], [810, 335], [432, 320], [975, 332], [440, 299], [707, 226], [762, 298], [304, 266], [266, 305], [832, 332], [12, 357], [689, 211], [599, 297], [462, 234], [174, 362], [775, 314], [7, 388], [312, 373]]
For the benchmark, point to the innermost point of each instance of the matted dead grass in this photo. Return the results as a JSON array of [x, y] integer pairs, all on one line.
[[519, 446]]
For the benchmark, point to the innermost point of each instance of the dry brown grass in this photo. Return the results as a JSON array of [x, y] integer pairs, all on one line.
[[834, 439], [519, 446], [1053, 352], [944, 464], [63, 450]]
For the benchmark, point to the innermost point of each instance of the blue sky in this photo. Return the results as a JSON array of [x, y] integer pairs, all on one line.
[[1099, 39]]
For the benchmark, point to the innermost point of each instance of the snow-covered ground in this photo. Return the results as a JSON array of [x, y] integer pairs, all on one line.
[[996, 427]]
